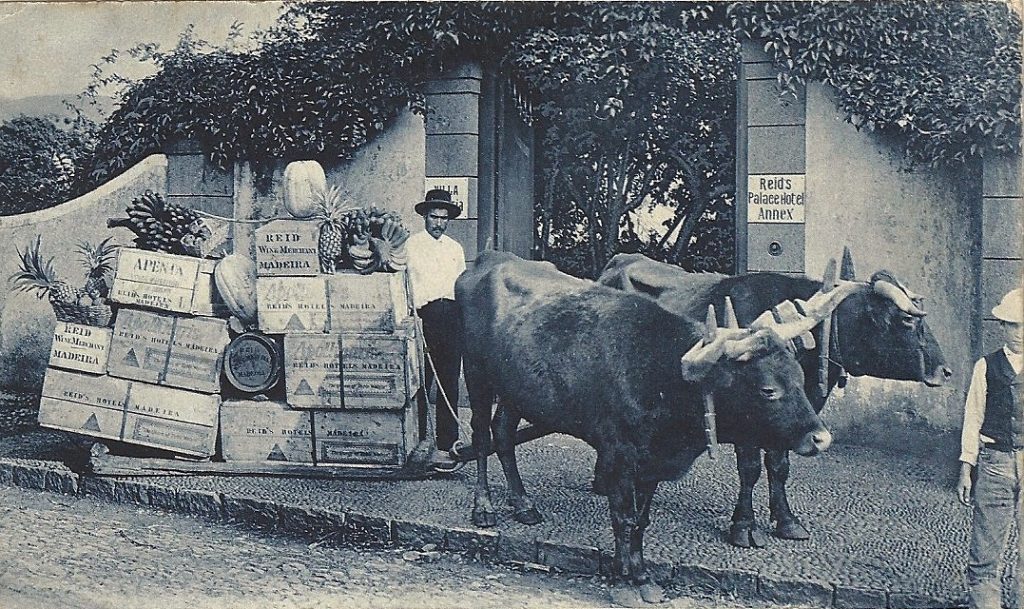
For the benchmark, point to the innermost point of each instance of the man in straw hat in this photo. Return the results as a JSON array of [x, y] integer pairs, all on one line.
[[435, 262], [993, 442]]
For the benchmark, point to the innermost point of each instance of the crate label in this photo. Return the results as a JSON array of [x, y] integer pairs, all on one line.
[[101, 391], [177, 436], [140, 344], [157, 268], [292, 304], [80, 347], [151, 296], [343, 452], [312, 371], [367, 303], [173, 404], [287, 247], [375, 370], [195, 354], [81, 418], [265, 431]]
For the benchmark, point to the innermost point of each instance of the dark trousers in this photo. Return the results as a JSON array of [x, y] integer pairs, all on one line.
[[442, 332]]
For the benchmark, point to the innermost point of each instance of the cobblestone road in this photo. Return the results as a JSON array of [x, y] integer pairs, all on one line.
[[77, 553]]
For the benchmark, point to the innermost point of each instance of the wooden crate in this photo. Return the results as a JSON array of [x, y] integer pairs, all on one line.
[[378, 372], [172, 419], [378, 302], [165, 282], [292, 305], [163, 349], [265, 431], [287, 247], [312, 370], [83, 403], [367, 438], [80, 347]]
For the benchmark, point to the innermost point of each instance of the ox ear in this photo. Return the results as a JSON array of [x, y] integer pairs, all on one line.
[[846, 271]]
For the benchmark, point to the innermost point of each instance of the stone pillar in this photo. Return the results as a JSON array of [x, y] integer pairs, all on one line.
[[453, 146], [193, 181], [770, 165], [1002, 231]]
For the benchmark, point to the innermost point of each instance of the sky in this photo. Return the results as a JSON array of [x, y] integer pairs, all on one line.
[[48, 48]]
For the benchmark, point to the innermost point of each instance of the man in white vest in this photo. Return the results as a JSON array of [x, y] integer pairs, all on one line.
[[435, 262]]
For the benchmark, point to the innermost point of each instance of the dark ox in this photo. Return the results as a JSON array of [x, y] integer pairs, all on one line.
[[624, 375], [878, 330]]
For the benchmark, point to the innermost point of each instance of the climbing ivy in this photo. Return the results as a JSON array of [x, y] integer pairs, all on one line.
[[943, 76]]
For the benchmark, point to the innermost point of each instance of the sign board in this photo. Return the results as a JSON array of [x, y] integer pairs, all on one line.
[[78, 347], [458, 187], [287, 247], [365, 438], [775, 198]]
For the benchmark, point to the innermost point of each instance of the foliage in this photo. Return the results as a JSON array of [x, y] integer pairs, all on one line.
[[945, 76], [636, 112], [40, 161]]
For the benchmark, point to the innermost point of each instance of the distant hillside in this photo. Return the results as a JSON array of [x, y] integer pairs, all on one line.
[[41, 105]]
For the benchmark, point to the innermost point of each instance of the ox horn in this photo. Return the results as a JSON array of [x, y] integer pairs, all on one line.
[[846, 272], [822, 304], [696, 362], [898, 296], [828, 278], [730, 315]]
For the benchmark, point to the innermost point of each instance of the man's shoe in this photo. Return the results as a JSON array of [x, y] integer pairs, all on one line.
[[442, 461]]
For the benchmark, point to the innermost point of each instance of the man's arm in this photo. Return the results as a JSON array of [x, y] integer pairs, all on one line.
[[970, 437]]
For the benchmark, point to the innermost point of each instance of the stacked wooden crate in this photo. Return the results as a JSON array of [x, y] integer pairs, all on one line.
[[351, 363], [154, 379]]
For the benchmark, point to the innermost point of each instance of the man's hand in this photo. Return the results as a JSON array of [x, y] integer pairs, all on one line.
[[963, 485]]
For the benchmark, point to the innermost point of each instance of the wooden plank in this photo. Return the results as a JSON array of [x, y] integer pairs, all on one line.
[[360, 438], [80, 347], [156, 268], [292, 305], [172, 419], [101, 391], [166, 282], [265, 431], [312, 371], [287, 247], [140, 345], [376, 371], [195, 357], [377, 302]]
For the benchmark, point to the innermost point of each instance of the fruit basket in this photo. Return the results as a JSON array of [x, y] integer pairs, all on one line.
[[91, 315]]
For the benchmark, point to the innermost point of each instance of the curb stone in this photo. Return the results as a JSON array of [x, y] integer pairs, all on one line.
[[374, 530], [795, 592]]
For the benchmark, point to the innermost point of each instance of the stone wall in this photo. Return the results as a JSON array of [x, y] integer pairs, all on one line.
[[26, 322]]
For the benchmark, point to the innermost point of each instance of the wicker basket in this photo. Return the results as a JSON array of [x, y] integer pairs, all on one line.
[[94, 315]]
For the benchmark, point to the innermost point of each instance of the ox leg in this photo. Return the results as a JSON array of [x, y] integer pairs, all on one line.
[[787, 525], [629, 503], [743, 532], [506, 419], [481, 398]]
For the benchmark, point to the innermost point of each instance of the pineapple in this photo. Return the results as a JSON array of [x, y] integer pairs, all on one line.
[[331, 241], [98, 261], [160, 226], [37, 276]]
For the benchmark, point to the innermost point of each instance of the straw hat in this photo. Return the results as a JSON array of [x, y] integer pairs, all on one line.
[[1011, 307]]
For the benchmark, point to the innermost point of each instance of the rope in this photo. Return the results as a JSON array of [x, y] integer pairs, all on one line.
[[444, 394], [265, 220]]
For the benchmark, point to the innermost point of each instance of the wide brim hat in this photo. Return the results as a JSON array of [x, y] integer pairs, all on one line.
[[1011, 307], [438, 198]]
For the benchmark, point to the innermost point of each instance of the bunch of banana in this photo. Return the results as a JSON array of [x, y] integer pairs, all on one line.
[[376, 240], [160, 226]]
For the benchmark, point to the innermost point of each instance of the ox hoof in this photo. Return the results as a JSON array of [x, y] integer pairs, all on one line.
[[529, 515], [746, 535], [484, 519], [792, 530], [626, 596], [652, 593]]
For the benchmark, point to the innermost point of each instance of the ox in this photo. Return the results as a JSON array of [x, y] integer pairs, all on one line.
[[626, 376], [879, 330]]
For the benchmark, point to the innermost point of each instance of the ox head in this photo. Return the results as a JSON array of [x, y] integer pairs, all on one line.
[[757, 383], [881, 331]]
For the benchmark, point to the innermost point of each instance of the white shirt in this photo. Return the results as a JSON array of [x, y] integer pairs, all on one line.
[[434, 265], [974, 410]]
